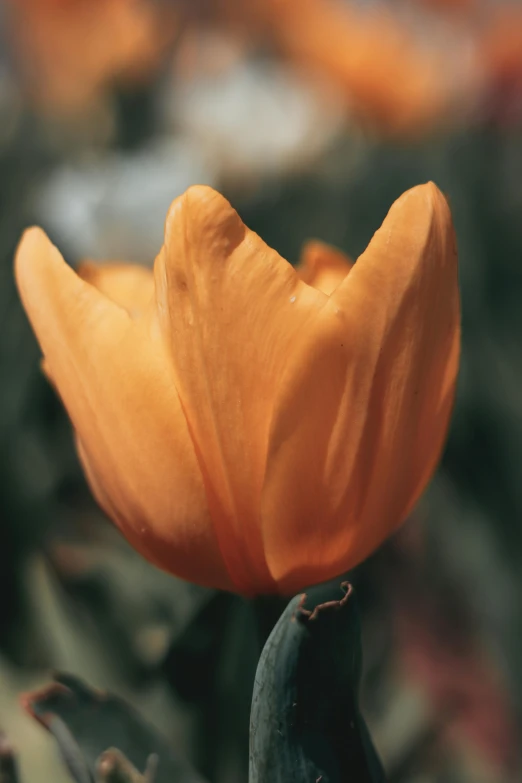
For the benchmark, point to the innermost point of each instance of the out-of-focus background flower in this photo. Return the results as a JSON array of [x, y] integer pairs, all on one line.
[[311, 116]]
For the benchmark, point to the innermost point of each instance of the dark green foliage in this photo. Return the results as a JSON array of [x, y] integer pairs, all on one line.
[[87, 723], [306, 724], [114, 767], [8, 768], [305, 720]]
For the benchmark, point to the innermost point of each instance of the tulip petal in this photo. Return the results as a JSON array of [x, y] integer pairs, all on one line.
[[323, 266], [114, 377], [365, 403], [233, 311], [129, 285]]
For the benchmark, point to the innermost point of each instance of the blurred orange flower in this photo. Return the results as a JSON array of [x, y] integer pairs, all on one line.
[[249, 426], [500, 53], [388, 78], [69, 50]]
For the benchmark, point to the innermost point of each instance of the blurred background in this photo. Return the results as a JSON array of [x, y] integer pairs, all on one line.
[[311, 116]]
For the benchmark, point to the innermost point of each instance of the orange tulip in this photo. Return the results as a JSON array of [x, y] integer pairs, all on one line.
[[245, 428]]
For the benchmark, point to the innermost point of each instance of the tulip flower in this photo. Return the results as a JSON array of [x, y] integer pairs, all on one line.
[[247, 425]]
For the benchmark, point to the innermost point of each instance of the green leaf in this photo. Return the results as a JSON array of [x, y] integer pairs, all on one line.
[[306, 726], [87, 724]]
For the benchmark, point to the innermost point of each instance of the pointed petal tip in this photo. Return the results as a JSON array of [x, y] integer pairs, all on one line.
[[31, 238], [201, 208], [315, 253], [313, 250], [195, 197], [440, 217], [34, 245], [197, 193], [33, 233], [323, 266], [434, 196], [429, 194], [423, 207]]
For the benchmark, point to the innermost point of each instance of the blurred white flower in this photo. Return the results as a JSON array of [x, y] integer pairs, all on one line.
[[115, 206]]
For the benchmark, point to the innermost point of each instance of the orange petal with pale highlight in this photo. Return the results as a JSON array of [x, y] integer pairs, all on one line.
[[112, 373], [323, 266], [233, 312], [365, 401]]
